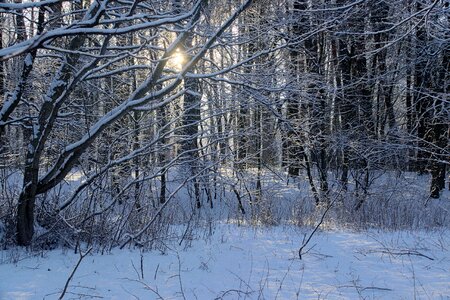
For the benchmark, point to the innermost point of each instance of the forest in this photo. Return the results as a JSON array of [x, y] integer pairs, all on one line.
[[121, 120]]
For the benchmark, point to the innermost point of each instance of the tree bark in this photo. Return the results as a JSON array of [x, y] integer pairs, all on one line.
[[191, 121]]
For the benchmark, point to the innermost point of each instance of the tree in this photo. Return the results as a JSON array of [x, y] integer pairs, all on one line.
[[432, 110], [102, 22], [125, 92]]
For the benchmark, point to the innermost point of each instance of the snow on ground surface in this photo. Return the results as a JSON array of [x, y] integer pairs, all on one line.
[[245, 263]]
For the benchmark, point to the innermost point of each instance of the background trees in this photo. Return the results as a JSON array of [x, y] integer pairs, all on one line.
[[136, 96]]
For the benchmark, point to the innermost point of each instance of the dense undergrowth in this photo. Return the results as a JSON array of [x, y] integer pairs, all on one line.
[[135, 217]]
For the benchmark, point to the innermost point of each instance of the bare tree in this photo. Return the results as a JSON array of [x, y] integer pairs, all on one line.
[[79, 62]]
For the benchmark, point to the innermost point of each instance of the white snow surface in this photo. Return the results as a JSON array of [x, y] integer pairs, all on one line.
[[244, 263]]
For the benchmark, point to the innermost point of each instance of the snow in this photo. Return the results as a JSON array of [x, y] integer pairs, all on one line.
[[256, 262], [26, 4], [10, 99], [29, 60], [244, 263], [75, 176], [89, 20]]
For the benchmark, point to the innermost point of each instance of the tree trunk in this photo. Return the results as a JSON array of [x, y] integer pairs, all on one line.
[[191, 120], [25, 215], [2, 74], [162, 124], [440, 127], [422, 98], [41, 130], [2, 85]]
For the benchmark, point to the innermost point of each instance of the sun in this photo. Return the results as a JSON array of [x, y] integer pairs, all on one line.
[[178, 59]]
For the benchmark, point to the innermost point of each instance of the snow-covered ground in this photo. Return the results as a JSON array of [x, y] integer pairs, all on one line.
[[255, 262], [244, 263]]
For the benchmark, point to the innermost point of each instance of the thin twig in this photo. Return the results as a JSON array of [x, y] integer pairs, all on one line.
[[318, 224], [179, 277], [402, 252], [82, 255], [362, 288], [225, 293]]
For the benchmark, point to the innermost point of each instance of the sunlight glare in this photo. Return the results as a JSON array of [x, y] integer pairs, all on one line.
[[178, 59]]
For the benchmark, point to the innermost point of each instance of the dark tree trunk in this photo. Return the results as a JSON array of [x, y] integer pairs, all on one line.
[[355, 104], [318, 106], [2, 73], [410, 108], [440, 127], [431, 86], [27, 198], [379, 21], [162, 152], [345, 106], [438, 164], [42, 128], [26, 203], [191, 121], [292, 146], [2, 85], [242, 139], [292, 149], [422, 96], [408, 104], [25, 216]]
